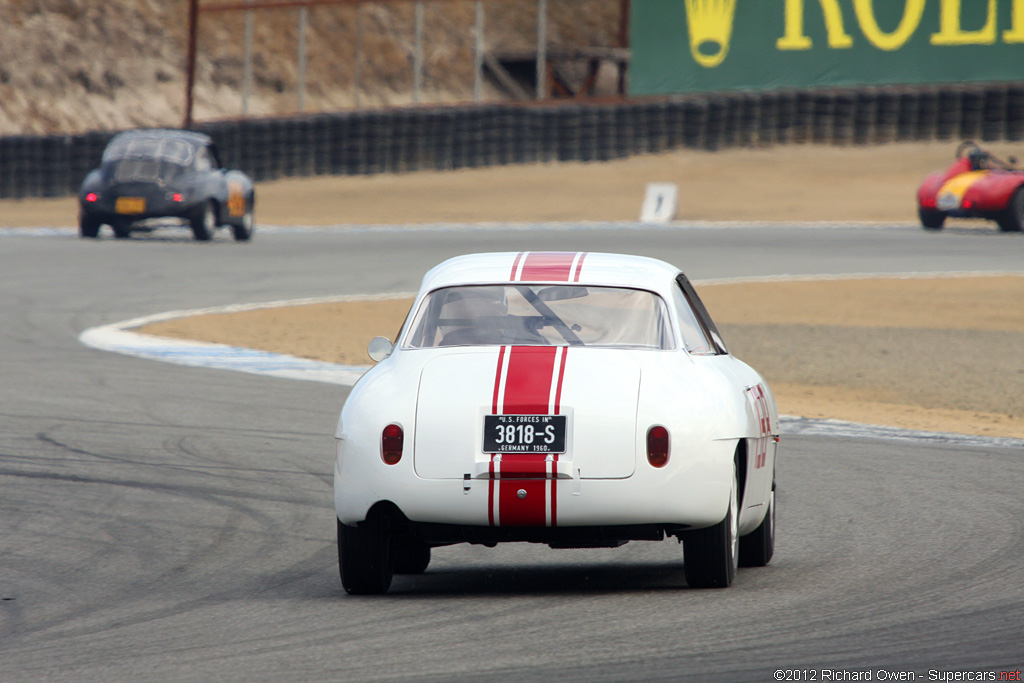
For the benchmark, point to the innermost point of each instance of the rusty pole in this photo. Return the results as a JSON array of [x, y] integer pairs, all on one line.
[[190, 69]]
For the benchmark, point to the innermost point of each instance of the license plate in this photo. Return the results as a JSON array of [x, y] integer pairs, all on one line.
[[130, 205], [524, 433], [948, 202]]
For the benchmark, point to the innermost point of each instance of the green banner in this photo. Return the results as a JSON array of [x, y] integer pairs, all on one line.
[[710, 45]]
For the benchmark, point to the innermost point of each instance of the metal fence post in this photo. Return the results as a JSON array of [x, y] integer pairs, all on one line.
[[357, 71], [303, 21], [478, 52], [417, 54]]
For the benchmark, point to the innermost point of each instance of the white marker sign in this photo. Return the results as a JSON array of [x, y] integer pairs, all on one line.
[[660, 203]]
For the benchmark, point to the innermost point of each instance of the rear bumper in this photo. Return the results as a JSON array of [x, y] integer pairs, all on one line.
[[691, 492], [104, 211], [556, 537]]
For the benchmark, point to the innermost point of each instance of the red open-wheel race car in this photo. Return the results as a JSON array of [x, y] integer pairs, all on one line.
[[976, 185]]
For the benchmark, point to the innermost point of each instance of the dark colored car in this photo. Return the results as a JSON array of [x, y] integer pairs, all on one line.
[[159, 174]]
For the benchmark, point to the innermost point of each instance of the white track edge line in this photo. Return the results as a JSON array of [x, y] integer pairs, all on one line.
[[71, 231]]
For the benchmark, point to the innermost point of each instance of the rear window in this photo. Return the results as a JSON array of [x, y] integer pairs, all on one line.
[[540, 315], [147, 158]]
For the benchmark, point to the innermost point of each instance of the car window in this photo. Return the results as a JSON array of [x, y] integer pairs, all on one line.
[[540, 315], [203, 160], [147, 158], [176, 152], [703, 317], [695, 340]]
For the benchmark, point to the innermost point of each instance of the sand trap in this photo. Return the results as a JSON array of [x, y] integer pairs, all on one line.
[[946, 354]]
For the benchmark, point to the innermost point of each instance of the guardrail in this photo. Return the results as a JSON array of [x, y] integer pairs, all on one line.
[[439, 138]]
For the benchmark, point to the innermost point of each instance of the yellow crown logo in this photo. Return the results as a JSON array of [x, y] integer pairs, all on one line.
[[710, 24]]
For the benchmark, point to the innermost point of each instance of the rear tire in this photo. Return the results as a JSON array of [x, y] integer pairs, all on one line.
[[710, 556], [364, 556], [88, 226], [1012, 218], [204, 222], [412, 556], [122, 228], [931, 220], [757, 547], [242, 231]]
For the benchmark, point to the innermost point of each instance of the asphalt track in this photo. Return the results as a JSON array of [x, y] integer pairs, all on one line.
[[160, 522]]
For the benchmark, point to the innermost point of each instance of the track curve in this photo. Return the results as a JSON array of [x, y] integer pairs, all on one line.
[[174, 523]]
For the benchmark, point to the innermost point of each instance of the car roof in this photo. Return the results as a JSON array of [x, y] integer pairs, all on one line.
[[585, 268], [190, 137]]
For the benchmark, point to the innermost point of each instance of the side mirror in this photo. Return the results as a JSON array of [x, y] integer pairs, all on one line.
[[379, 349]]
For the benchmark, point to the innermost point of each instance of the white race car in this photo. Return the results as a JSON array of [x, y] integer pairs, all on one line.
[[580, 400]]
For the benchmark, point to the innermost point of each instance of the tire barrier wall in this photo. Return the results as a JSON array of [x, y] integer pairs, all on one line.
[[367, 142]]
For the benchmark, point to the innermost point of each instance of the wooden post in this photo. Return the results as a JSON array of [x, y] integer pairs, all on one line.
[[190, 68], [247, 61]]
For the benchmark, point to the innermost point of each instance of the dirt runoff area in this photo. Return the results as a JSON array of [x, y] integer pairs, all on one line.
[[934, 354]]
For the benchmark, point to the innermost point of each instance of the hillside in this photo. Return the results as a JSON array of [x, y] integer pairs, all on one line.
[[76, 65]]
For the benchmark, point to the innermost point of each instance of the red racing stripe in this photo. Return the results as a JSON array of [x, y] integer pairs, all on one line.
[[524, 466], [494, 411], [497, 381], [556, 410], [528, 381], [515, 266], [579, 267], [532, 385], [547, 266], [554, 490], [759, 402], [557, 407]]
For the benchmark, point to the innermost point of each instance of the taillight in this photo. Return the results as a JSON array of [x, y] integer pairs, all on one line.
[[91, 197], [391, 442], [657, 446], [176, 197]]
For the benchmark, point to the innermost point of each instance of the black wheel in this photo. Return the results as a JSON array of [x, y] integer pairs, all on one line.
[[1012, 219], [711, 555], [412, 556], [243, 229], [757, 547], [204, 222], [931, 220], [88, 225], [122, 228], [364, 556]]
